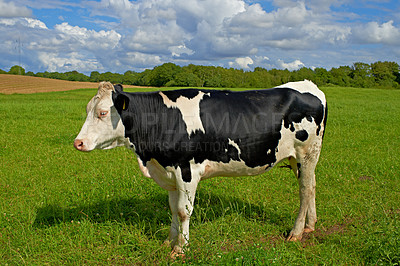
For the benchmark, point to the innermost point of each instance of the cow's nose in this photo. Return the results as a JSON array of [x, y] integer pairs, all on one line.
[[78, 144]]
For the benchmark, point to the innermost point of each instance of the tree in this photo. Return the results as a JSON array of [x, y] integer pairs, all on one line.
[[161, 75], [382, 74], [16, 70], [302, 74], [185, 79], [94, 76], [341, 76], [56, 75], [111, 77], [212, 77], [200, 72], [258, 69], [322, 76], [361, 75], [144, 78], [386, 73], [76, 76], [130, 77], [279, 76]]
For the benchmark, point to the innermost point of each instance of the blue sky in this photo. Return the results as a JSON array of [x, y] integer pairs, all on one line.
[[121, 35]]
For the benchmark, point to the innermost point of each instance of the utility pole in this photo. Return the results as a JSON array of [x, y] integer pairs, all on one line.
[[18, 47]]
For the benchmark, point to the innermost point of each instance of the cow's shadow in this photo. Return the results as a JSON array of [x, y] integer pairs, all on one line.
[[154, 211]]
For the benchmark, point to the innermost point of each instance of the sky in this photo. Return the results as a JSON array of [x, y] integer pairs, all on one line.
[[121, 35]]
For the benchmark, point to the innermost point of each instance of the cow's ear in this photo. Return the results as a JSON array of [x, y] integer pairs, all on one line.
[[121, 102], [118, 88]]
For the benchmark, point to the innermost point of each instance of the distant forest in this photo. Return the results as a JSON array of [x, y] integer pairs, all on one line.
[[379, 74]]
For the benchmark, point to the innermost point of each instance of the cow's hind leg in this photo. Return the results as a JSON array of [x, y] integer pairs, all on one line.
[[307, 217], [311, 217]]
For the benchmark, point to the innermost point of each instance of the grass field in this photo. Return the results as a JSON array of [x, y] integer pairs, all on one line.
[[58, 205]]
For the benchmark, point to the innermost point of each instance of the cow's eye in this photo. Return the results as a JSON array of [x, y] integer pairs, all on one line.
[[103, 113]]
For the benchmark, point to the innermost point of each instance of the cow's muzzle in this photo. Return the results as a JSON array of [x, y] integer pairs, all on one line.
[[80, 145]]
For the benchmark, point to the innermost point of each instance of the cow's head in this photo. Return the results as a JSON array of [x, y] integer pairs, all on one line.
[[103, 128]]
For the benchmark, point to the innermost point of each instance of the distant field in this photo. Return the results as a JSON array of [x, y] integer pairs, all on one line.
[[61, 206], [10, 84]]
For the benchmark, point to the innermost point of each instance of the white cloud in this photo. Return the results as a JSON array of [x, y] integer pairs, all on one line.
[[292, 27], [296, 64], [63, 48], [139, 60], [373, 32], [178, 50], [10, 9], [69, 62], [292, 16], [87, 39], [253, 16], [157, 38], [155, 26], [242, 62], [24, 22], [34, 23]]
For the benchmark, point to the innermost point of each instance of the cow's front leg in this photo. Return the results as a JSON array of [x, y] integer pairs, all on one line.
[[181, 203]]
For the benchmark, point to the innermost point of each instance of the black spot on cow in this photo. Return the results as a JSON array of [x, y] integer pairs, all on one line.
[[186, 173], [302, 135]]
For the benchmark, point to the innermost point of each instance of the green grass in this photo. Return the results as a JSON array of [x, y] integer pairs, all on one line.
[[58, 205]]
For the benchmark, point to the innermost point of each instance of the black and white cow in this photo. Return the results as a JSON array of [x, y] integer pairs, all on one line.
[[184, 136]]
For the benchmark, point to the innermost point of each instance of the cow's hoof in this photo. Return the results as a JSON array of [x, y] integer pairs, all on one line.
[[308, 230], [177, 253], [293, 237]]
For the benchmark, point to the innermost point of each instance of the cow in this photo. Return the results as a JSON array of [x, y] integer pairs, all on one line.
[[181, 137]]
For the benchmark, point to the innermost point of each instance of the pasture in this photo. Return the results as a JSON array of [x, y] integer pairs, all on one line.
[[58, 205]]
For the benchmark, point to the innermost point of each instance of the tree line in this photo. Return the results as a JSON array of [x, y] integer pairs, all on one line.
[[379, 74]]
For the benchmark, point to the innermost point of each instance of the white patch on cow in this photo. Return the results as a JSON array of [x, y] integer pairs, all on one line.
[[285, 147], [305, 86], [164, 177], [129, 145], [143, 168], [232, 143], [197, 170], [290, 146], [232, 168], [190, 110]]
